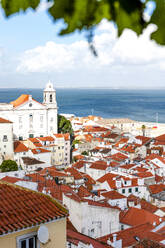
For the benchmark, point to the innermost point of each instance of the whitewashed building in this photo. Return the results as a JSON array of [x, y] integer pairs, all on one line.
[[92, 218], [6, 140], [31, 118]]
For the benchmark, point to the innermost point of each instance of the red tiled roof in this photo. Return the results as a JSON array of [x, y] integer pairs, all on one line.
[[11, 179], [47, 138], [160, 138], [119, 156], [22, 208], [113, 195], [143, 139], [66, 136], [144, 174], [76, 174], [156, 188], [148, 206], [76, 237], [20, 147], [135, 216], [99, 165], [128, 166], [20, 100], [94, 129], [128, 235], [58, 135], [79, 157], [2, 120], [83, 192], [79, 164], [36, 142]]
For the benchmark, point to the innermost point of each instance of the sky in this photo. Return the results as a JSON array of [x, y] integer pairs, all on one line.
[[32, 52]]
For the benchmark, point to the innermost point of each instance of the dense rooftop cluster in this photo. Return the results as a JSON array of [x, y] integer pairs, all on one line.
[[113, 188]]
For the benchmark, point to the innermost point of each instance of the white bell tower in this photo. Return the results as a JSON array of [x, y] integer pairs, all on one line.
[[49, 97], [49, 100]]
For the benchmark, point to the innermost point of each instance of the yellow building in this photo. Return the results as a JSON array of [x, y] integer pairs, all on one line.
[[25, 213]]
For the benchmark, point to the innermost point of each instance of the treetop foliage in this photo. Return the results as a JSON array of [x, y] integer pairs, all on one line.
[[8, 165], [64, 125], [86, 14]]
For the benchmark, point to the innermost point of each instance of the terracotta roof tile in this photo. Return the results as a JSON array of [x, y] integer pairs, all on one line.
[[99, 165], [21, 208], [135, 216], [20, 100], [2, 120], [10, 179], [20, 147], [128, 235], [156, 188], [113, 195], [47, 138]]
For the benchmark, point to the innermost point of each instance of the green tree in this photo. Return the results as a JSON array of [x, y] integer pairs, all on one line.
[[8, 165], [64, 125], [86, 14], [85, 153]]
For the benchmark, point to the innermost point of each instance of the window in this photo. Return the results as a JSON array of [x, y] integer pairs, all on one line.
[[92, 232], [20, 119], [31, 135], [4, 146], [136, 189], [51, 119], [51, 98], [30, 104], [123, 191], [122, 227], [27, 241], [130, 190], [20, 138], [5, 138], [41, 118]]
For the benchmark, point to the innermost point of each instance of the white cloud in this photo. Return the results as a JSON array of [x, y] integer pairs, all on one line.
[[44, 6], [131, 56]]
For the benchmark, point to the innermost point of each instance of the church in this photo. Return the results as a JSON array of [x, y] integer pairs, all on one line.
[[31, 118]]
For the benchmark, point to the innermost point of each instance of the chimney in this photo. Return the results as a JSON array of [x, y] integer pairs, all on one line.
[[154, 223], [114, 237]]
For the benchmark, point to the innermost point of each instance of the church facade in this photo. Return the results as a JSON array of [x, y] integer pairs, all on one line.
[[31, 118]]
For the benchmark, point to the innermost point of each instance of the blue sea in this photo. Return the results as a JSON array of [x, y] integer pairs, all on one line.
[[142, 105]]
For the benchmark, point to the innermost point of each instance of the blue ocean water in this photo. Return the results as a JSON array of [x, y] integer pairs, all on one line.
[[142, 105]]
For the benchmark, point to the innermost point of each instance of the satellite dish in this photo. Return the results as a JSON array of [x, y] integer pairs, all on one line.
[[43, 234]]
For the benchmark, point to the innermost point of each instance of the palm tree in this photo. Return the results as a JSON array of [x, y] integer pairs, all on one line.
[[143, 129]]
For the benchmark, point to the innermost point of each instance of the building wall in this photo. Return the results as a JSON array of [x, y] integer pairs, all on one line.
[[6, 141], [32, 117], [92, 220], [57, 235]]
